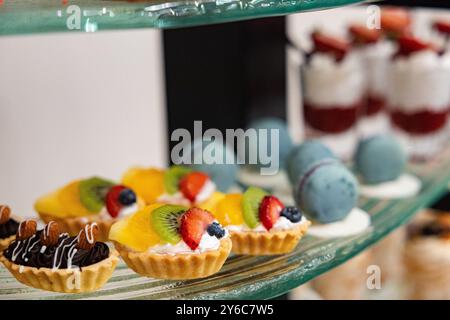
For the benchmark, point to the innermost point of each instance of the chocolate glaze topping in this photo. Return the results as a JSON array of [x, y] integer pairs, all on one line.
[[8, 229], [32, 253]]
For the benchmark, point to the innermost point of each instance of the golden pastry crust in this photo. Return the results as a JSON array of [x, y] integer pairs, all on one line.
[[4, 243], [73, 225], [89, 279], [267, 243], [176, 267]]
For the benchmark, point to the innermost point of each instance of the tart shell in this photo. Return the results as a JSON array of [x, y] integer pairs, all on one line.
[[90, 278], [267, 243], [73, 225], [176, 267]]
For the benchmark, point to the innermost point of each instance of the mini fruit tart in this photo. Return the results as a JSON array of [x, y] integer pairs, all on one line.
[[88, 200], [178, 185], [171, 242], [54, 261], [259, 224], [8, 227]]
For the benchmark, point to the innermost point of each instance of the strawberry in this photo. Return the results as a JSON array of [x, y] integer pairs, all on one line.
[[409, 44], [363, 35], [442, 27], [113, 205], [269, 211], [192, 183], [395, 20], [193, 225], [327, 44]]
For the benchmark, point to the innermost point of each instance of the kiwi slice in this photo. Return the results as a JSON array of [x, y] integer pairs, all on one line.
[[250, 205], [165, 221], [93, 193], [172, 177]]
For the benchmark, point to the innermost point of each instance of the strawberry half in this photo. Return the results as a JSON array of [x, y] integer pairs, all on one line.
[[269, 211], [395, 20], [192, 183], [193, 225], [113, 206], [363, 35], [442, 27], [327, 44], [410, 44]]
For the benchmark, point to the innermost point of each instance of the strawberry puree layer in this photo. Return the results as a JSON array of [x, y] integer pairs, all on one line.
[[422, 122], [332, 119], [374, 105]]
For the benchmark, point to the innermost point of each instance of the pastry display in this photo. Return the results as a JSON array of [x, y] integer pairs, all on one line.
[[375, 54], [418, 96], [333, 67], [8, 227], [176, 185], [49, 260], [172, 242], [427, 256], [259, 223], [88, 200]]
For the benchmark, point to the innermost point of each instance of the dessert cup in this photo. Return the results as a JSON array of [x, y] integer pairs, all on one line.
[[172, 242], [86, 201], [419, 99], [52, 261]]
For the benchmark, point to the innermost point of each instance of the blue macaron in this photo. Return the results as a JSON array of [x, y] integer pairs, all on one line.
[[284, 142], [221, 173], [379, 159], [327, 191], [302, 156]]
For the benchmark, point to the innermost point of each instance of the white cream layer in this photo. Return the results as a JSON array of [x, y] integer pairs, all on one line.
[[331, 83], [282, 224], [420, 80]]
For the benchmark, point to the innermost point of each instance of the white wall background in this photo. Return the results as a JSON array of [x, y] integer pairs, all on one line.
[[74, 105]]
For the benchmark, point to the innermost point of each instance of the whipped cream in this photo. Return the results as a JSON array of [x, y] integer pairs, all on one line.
[[282, 224], [331, 83], [207, 243], [421, 80], [124, 212], [375, 59], [206, 191]]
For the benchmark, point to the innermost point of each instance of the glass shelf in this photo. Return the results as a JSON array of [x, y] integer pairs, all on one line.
[[244, 277], [31, 16]]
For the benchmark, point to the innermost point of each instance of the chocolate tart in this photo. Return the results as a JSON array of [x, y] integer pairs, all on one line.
[[8, 227]]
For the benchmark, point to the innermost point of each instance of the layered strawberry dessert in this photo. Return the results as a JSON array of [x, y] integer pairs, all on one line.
[[419, 96], [333, 93], [375, 54]]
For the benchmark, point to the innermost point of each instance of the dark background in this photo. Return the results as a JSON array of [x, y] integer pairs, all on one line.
[[229, 73]]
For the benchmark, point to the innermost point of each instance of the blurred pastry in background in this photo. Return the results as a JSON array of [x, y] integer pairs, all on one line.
[[85, 201], [419, 96], [8, 227], [334, 94], [375, 53], [346, 282], [427, 256], [395, 22], [380, 163]]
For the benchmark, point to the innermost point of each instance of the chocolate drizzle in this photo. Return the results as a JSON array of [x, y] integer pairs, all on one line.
[[8, 229], [65, 254]]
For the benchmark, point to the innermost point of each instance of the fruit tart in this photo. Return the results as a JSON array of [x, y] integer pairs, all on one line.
[[88, 200], [176, 185], [49, 260], [171, 242], [259, 223], [8, 227]]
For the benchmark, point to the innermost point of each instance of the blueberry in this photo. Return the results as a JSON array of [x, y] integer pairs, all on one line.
[[293, 214], [127, 197], [214, 229]]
